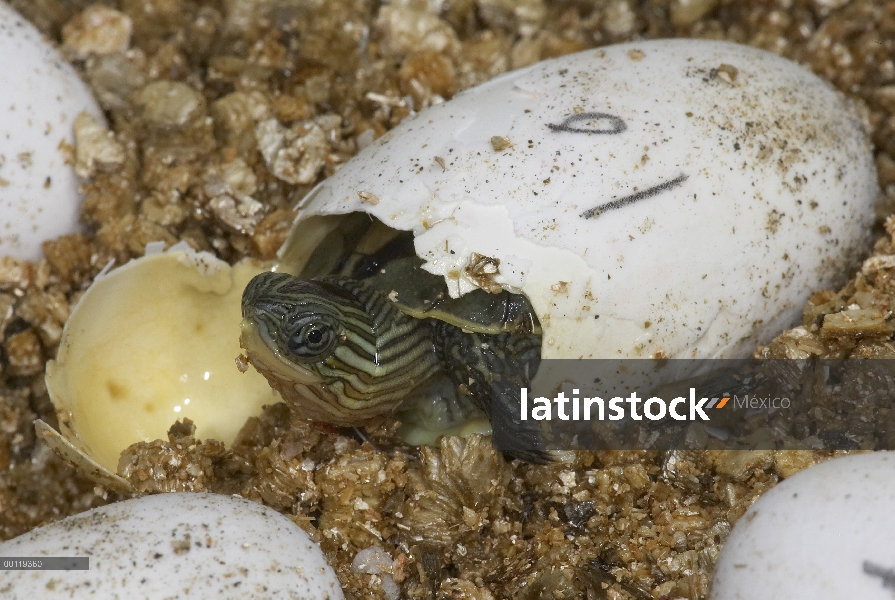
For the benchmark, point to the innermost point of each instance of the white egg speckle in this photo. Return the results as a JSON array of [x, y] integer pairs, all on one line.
[[174, 546], [824, 533], [666, 198], [41, 97]]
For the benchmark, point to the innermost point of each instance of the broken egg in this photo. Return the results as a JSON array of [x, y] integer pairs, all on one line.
[[42, 96], [148, 344], [172, 546], [660, 199]]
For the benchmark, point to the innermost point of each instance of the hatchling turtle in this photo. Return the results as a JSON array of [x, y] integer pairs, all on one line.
[[364, 326]]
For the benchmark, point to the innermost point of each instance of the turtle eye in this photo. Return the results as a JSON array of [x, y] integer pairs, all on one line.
[[308, 339], [314, 336]]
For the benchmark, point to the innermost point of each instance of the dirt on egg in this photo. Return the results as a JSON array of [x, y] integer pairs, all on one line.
[[223, 115]]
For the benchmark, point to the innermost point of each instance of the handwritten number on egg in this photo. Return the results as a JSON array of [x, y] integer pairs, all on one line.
[[887, 575], [592, 122], [604, 123], [632, 198]]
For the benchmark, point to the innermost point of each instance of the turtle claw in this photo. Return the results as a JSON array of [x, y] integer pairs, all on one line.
[[492, 370], [519, 439]]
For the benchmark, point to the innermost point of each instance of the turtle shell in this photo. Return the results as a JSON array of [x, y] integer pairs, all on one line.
[[363, 248]]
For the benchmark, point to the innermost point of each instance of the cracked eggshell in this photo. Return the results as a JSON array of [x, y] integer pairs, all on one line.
[[667, 198], [150, 343], [174, 546], [42, 95]]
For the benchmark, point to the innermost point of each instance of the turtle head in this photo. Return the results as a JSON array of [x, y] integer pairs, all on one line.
[[304, 321], [309, 339], [321, 348]]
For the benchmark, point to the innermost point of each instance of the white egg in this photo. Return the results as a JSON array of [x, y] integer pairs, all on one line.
[[173, 546], [42, 96], [824, 533], [668, 198]]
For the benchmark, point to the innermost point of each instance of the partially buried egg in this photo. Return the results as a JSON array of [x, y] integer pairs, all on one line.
[[42, 96], [825, 533], [170, 546]]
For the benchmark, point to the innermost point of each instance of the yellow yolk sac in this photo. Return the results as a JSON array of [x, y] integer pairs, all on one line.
[[148, 344]]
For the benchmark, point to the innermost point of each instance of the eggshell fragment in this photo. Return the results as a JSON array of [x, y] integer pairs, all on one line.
[[42, 95], [148, 344], [825, 532], [174, 546], [661, 199]]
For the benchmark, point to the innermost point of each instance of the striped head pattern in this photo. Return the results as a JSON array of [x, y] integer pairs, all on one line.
[[335, 350]]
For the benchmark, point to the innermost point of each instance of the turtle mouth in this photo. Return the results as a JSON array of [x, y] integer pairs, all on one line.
[[330, 390], [301, 388], [267, 358]]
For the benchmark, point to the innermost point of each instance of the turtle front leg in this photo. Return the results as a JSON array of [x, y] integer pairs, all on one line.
[[492, 370]]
